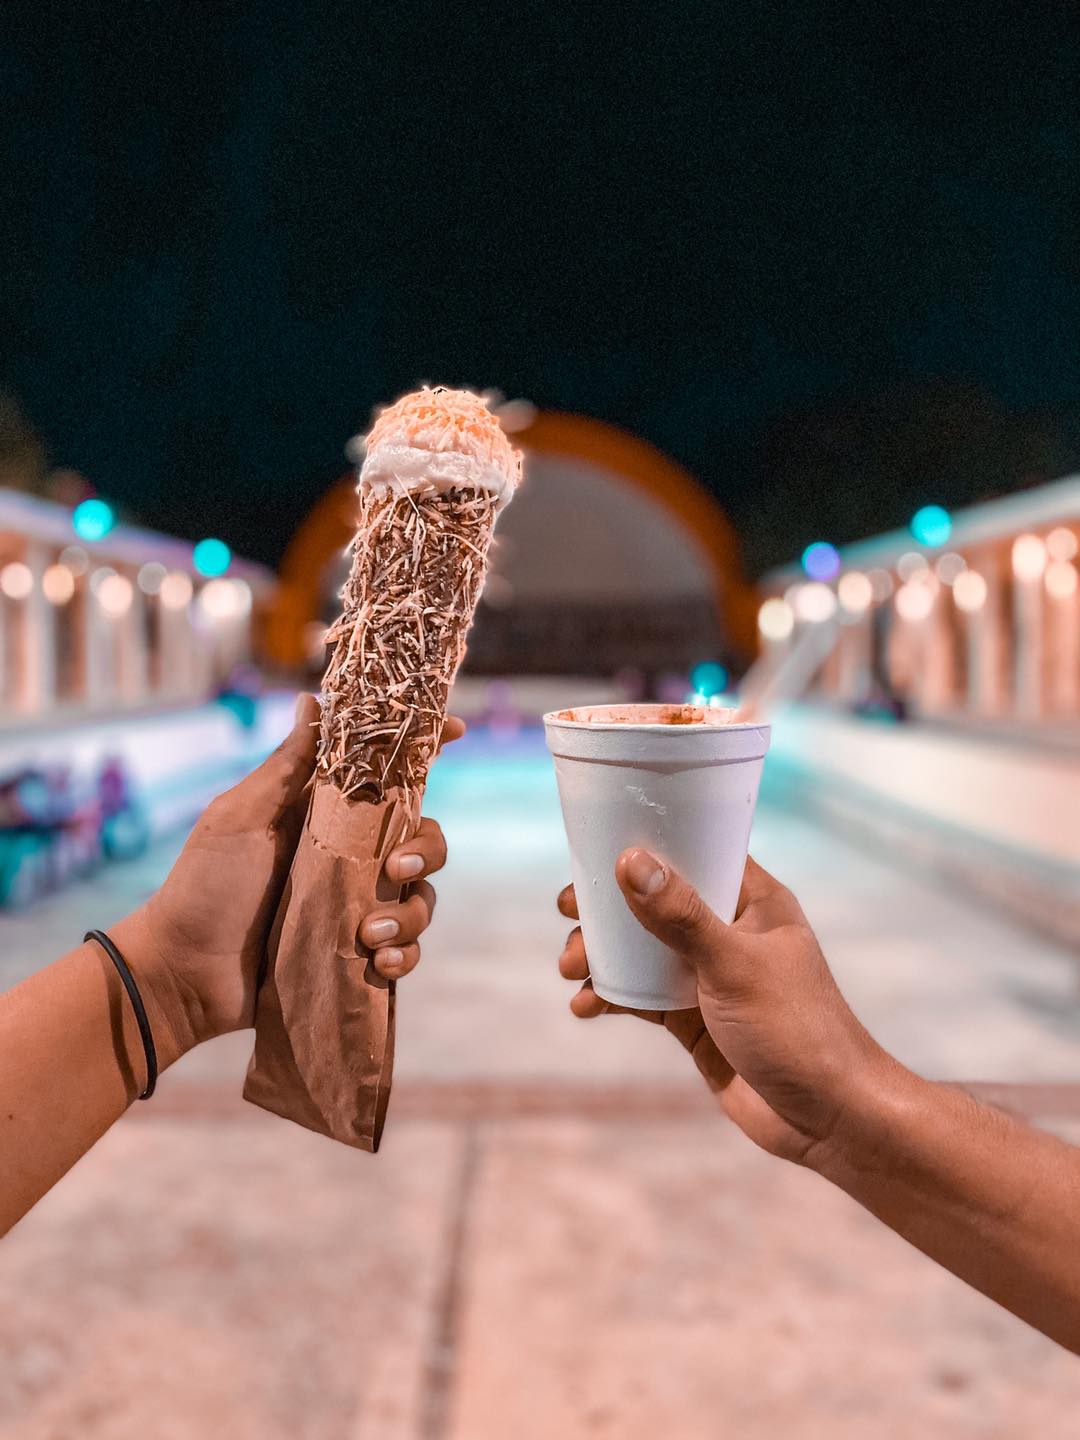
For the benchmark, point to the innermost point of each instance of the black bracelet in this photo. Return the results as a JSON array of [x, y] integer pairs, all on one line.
[[136, 1004]]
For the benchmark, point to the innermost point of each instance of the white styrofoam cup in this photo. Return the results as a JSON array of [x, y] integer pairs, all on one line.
[[686, 792]]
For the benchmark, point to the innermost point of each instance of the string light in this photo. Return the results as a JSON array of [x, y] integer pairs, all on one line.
[[75, 558], [16, 580], [1028, 557], [931, 526], [58, 584], [776, 619], [176, 590], [93, 519], [914, 601], [115, 594], [969, 592], [856, 592], [815, 603], [225, 599], [211, 557]]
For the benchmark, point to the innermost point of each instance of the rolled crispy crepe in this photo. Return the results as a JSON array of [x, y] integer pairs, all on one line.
[[438, 469]]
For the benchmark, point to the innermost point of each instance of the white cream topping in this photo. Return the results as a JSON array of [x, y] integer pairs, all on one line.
[[405, 467]]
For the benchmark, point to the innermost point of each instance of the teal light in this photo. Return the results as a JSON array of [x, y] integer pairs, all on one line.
[[211, 557], [709, 678], [93, 519], [931, 526]]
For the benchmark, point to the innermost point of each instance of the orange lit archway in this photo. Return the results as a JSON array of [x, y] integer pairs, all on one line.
[[328, 528]]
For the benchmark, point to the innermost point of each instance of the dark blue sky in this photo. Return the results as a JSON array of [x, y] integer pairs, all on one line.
[[832, 265]]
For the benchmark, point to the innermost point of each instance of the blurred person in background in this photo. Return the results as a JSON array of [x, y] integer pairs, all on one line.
[[991, 1199], [71, 1055]]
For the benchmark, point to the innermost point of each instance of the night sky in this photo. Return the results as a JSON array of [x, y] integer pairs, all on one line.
[[830, 264]]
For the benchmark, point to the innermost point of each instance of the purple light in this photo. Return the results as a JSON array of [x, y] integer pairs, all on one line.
[[821, 561]]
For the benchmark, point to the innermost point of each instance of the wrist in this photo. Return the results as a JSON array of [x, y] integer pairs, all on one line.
[[173, 1018], [875, 1115]]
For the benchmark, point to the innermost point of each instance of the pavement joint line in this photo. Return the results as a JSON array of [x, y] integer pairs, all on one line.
[[441, 1356]]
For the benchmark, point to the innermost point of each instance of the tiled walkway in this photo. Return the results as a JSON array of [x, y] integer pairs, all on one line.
[[559, 1238]]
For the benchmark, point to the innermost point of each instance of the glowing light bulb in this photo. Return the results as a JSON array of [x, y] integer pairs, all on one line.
[[855, 591], [58, 584], [815, 603], [224, 599], [1028, 557], [969, 592], [211, 557], [776, 619], [914, 601], [931, 526], [115, 594], [176, 590], [93, 519], [821, 561], [16, 580]]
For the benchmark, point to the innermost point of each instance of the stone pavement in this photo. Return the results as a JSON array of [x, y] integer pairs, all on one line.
[[559, 1238]]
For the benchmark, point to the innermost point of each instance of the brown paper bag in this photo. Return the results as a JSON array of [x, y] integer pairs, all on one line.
[[324, 1019]]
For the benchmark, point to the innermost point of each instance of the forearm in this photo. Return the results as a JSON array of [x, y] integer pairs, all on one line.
[[72, 1061], [991, 1199]]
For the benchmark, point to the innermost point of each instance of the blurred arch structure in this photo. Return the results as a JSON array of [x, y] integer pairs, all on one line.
[[611, 557]]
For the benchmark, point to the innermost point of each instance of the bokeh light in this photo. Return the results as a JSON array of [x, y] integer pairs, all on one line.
[[93, 519], [1061, 579], [150, 577], [910, 563], [815, 603], [969, 591], [16, 580], [821, 561], [856, 592], [114, 595], [709, 678], [1028, 557], [1061, 544], [776, 619], [949, 567], [225, 599], [931, 526], [914, 601], [881, 583], [75, 558], [211, 557], [58, 584], [176, 590]]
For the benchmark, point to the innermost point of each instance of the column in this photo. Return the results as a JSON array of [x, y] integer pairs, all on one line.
[[1029, 563], [37, 641]]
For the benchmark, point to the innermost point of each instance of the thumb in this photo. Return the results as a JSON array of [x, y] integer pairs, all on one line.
[[667, 906], [285, 773]]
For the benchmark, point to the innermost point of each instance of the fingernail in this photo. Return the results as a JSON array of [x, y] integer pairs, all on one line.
[[384, 929], [645, 874], [393, 956], [409, 865]]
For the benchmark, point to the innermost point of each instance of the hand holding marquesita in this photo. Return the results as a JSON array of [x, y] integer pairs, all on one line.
[[436, 472]]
